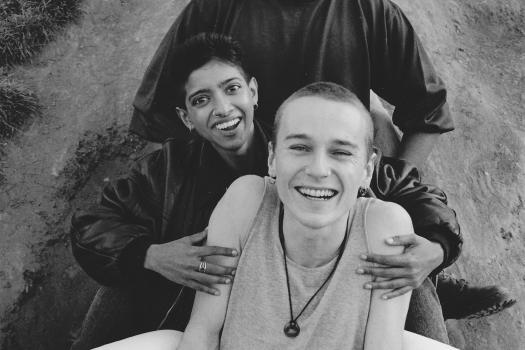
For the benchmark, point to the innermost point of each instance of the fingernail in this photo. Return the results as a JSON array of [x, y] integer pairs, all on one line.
[[390, 240], [227, 281], [368, 286], [233, 273], [360, 271], [384, 297], [362, 256], [216, 292], [234, 252]]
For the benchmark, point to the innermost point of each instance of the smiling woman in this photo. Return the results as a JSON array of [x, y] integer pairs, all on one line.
[[219, 106]]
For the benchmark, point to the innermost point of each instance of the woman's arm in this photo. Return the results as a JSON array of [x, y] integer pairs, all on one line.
[[229, 226], [386, 318]]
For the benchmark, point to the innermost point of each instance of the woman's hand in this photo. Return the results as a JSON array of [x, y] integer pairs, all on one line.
[[406, 271], [179, 262]]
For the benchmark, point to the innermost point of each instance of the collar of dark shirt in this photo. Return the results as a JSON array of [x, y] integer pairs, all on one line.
[[214, 174]]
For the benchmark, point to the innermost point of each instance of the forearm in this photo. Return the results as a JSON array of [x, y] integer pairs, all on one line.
[[415, 147]]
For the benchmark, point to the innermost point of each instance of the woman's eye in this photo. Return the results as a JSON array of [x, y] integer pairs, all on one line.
[[233, 88], [199, 101]]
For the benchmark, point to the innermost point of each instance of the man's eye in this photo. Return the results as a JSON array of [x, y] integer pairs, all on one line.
[[299, 148], [199, 101], [341, 153]]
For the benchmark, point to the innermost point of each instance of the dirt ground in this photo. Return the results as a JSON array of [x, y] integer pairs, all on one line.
[[87, 78]]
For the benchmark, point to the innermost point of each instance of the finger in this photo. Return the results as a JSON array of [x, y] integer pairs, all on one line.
[[215, 250], [202, 288], [210, 280], [388, 284], [404, 240], [198, 237], [389, 272], [218, 270], [398, 260], [396, 292]]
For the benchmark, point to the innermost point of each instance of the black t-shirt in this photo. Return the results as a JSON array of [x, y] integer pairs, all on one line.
[[360, 44]]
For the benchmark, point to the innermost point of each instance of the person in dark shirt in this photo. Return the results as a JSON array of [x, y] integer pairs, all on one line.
[[362, 45]]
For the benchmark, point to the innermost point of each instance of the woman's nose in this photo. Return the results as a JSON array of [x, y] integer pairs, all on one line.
[[223, 106]]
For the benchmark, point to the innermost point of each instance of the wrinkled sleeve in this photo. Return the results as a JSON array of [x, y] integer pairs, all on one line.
[[110, 241], [401, 71], [397, 181]]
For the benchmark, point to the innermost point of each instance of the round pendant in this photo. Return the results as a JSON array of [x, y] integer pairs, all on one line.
[[291, 329]]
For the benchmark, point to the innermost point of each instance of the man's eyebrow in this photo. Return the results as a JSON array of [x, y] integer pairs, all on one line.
[[346, 143], [297, 136]]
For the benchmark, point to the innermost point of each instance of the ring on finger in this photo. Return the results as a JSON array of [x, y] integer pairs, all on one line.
[[202, 267]]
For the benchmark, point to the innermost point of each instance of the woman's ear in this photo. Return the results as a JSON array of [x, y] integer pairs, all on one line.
[[369, 170], [271, 160], [252, 84], [183, 115]]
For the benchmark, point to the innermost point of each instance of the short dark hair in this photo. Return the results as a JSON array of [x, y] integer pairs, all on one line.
[[197, 51], [332, 92]]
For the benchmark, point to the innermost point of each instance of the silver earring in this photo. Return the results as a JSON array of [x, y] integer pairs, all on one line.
[[255, 106], [362, 192], [271, 179]]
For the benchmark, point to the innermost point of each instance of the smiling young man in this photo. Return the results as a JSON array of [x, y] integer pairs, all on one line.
[[141, 239], [302, 231]]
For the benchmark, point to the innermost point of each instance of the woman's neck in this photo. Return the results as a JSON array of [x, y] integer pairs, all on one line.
[[241, 160], [311, 247]]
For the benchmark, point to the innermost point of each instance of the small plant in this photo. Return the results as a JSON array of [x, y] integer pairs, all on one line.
[[26, 25], [16, 104]]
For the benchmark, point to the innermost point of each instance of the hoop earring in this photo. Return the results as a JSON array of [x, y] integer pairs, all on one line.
[[255, 106], [362, 192]]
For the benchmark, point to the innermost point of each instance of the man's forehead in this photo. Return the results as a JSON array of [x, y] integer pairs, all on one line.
[[312, 116]]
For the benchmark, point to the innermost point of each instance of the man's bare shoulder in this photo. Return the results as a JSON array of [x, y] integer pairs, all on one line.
[[237, 209], [385, 220]]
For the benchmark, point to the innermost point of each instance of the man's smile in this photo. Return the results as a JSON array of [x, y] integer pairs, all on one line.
[[319, 194]]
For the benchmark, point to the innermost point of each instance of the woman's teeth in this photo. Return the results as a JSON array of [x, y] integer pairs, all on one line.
[[228, 125], [316, 194]]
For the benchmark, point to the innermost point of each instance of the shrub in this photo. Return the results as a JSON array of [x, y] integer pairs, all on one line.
[[16, 104], [26, 25]]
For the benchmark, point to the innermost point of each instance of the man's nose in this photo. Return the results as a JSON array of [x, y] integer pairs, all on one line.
[[319, 166], [223, 106]]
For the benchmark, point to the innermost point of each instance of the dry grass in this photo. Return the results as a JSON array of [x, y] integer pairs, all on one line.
[[17, 104], [27, 25]]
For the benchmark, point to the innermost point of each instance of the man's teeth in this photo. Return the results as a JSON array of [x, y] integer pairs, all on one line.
[[317, 194], [229, 124]]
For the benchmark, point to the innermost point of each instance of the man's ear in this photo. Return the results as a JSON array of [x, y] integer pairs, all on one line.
[[183, 115], [271, 160], [254, 89], [369, 170]]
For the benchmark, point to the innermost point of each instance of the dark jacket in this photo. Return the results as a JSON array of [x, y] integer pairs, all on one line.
[[172, 192]]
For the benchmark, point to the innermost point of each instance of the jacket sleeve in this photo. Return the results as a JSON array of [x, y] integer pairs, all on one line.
[[395, 180], [401, 71], [110, 241]]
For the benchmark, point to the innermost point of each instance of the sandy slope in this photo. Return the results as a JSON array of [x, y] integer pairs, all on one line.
[[87, 78]]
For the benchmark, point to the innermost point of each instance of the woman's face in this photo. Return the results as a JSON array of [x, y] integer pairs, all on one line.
[[219, 105], [320, 160]]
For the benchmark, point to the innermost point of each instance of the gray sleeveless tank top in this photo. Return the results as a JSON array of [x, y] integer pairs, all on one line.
[[258, 307]]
